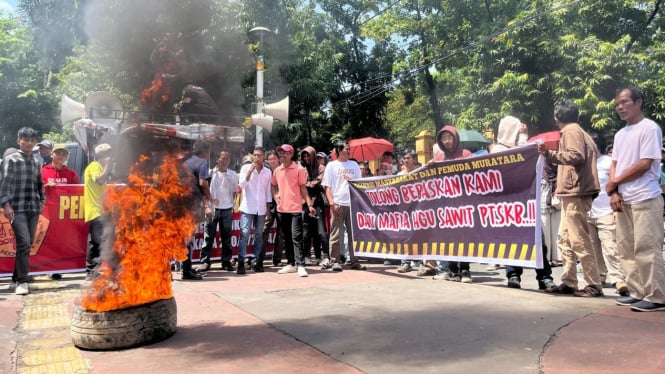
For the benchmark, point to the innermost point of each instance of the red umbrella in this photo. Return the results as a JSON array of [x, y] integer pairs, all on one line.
[[369, 148], [551, 139]]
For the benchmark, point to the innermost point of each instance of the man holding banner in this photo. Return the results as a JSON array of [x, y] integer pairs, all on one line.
[[336, 182], [577, 185]]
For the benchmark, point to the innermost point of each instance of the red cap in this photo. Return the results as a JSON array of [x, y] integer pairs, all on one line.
[[285, 148]]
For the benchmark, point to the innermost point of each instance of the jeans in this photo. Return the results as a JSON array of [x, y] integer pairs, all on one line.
[[96, 231], [314, 230], [222, 218], [24, 226], [292, 234], [246, 222], [278, 245]]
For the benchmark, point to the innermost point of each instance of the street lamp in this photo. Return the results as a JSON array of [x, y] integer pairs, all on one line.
[[260, 31]]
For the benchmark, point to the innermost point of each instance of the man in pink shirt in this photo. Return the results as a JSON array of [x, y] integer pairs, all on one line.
[[289, 190]]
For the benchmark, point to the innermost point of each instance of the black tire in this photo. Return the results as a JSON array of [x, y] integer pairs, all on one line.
[[124, 328]]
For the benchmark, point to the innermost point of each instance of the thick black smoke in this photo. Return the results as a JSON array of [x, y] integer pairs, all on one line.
[[211, 49]]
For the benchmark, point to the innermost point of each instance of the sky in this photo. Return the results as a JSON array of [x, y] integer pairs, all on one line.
[[7, 5]]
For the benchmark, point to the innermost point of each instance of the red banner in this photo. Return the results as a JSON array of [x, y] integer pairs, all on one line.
[[60, 240], [62, 235]]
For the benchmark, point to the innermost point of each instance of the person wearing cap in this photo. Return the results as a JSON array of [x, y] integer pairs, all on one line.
[[336, 182], [57, 172], [289, 191], [95, 176], [22, 199], [322, 158], [45, 150]]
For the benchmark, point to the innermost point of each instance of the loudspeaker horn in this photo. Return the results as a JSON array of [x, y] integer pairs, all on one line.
[[262, 121], [71, 109], [104, 108], [279, 110]]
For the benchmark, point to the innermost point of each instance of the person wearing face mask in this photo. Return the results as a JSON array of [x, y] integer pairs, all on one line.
[[451, 149]]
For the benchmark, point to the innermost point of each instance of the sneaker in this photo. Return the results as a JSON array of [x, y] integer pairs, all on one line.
[[466, 276], [192, 275], [308, 261], [642, 306], [514, 282], [454, 277], [203, 267], [405, 268], [546, 284], [287, 269], [302, 272], [227, 265], [493, 267], [325, 263], [440, 276], [336, 267], [22, 289], [626, 300], [425, 271]]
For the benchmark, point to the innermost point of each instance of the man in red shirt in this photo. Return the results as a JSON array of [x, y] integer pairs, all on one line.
[[57, 172]]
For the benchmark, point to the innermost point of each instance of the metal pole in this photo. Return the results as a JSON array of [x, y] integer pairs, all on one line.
[[259, 90], [259, 81]]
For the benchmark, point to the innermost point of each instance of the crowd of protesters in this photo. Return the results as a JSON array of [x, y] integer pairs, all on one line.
[[602, 207]]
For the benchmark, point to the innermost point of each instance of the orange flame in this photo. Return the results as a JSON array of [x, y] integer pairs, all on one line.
[[152, 226], [156, 97]]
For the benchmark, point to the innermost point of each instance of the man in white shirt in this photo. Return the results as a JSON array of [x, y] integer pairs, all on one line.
[[336, 182], [603, 227], [255, 204], [223, 186], [636, 197]]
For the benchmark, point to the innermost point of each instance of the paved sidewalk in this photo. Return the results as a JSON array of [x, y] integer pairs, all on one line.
[[377, 321]]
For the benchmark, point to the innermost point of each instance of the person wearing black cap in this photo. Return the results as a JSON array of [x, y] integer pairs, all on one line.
[[22, 199]]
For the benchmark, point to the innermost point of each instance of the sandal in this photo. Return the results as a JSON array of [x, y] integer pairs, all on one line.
[[562, 289], [589, 291]]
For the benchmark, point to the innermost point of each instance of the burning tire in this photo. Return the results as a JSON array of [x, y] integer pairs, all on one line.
[[124, 328]]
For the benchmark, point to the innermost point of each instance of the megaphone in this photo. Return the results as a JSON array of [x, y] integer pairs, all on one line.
[[104, 108], [262, 121], [278, 110], [70, 109]]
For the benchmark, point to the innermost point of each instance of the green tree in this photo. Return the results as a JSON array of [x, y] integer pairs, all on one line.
[[23, 101]]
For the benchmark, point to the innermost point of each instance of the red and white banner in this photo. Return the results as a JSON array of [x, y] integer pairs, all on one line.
[[62, 235], [60, 240]]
